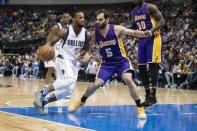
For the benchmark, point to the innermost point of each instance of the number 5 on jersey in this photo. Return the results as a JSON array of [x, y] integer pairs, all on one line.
[[109, 52]]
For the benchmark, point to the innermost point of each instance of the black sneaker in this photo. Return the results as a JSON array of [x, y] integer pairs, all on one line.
[[184, 85], [149, 102]]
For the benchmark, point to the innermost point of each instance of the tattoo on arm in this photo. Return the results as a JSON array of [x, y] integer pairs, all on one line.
[[53, 32], [55, 39]]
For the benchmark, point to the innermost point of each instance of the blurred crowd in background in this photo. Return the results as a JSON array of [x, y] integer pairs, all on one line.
[[179, 50]]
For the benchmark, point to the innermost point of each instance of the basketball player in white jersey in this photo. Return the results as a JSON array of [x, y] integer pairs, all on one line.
[[64, 21], [73, 48]]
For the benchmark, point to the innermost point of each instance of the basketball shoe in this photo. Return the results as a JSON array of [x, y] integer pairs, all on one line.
[[38, 103], [73, 107], [141, 113]]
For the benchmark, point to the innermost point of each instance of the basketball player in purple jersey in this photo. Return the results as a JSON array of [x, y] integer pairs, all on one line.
[[108, 38], [147, 17]]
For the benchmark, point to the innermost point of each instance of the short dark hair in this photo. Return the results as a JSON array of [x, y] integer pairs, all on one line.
[[105, 12], [73, 14]]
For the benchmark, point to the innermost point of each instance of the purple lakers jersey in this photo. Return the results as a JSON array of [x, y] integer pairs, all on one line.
[[149, 48], [111, 46], [142, 19]]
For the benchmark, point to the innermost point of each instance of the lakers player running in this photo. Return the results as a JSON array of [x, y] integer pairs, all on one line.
[[64, 21], [108, 38], [147, 17], [72, 49]]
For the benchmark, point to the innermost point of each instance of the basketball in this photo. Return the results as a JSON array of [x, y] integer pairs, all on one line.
[[46, 53]]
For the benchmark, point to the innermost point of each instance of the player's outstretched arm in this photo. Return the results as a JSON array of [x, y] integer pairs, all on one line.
[[120, 30], [137, 33]]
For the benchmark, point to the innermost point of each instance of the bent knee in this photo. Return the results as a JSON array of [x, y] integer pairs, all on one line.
[[98, 83], [127, 77]]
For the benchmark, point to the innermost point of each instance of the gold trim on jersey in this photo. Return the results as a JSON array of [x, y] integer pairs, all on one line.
[[156, 54], [121, 46], [154, 22], [123, 51]]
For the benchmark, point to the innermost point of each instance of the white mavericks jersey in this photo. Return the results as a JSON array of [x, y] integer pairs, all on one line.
[[73, 44]]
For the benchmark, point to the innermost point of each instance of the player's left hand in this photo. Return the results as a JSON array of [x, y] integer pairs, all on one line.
[[148, 33], [85, 58]]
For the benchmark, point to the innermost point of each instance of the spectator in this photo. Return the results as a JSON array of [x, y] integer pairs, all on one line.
[[181, 72], [91, 70]]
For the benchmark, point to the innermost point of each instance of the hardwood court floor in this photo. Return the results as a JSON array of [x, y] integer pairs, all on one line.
[[17, 93]]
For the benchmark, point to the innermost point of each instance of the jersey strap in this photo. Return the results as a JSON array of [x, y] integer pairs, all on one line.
[[65, 38], [85, 47]]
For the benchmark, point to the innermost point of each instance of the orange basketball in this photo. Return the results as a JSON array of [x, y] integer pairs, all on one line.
[[46, 53]]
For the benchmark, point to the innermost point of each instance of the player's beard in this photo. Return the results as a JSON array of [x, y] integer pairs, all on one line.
[[103, 25], [80, 25]]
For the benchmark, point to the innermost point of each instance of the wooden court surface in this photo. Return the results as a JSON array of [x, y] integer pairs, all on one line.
[[16, 92]]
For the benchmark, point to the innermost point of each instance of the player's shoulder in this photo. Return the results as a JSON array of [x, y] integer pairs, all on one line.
[[55, 27], [151, 6], [118, 27]]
